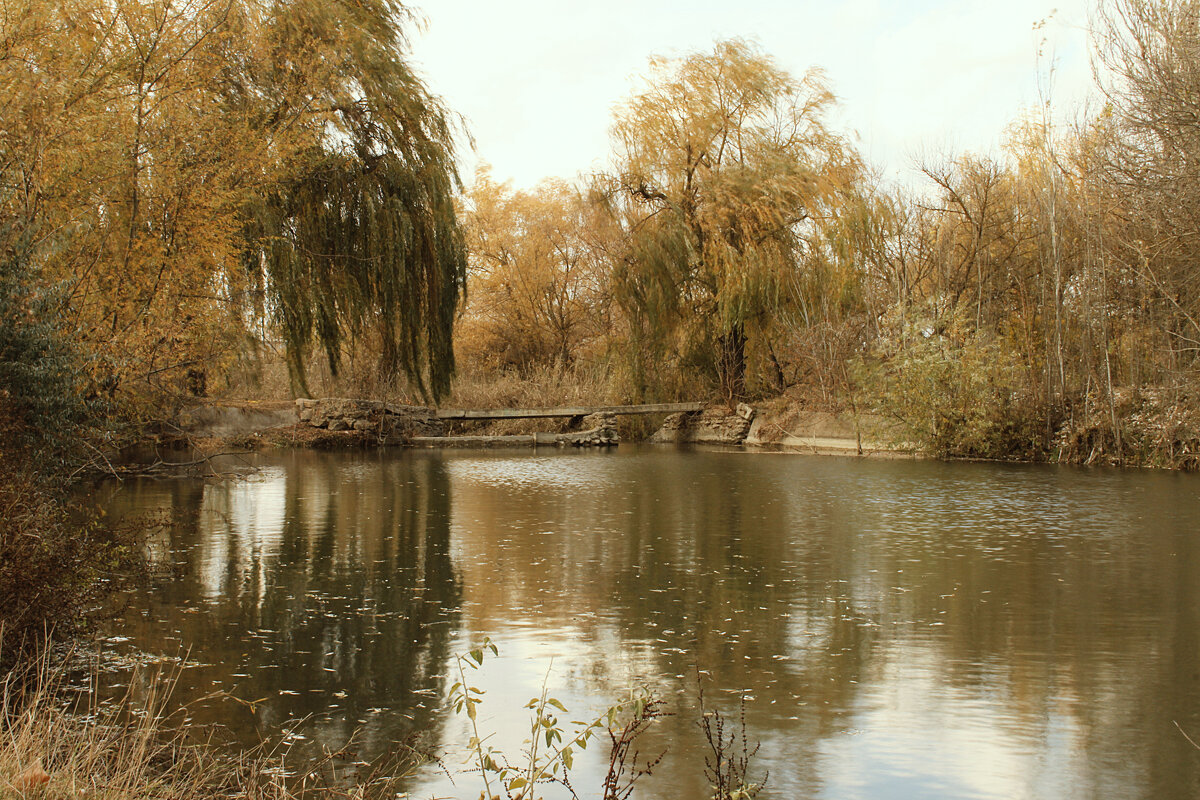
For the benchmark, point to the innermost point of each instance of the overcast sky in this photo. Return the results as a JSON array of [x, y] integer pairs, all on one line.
[[537, 80]]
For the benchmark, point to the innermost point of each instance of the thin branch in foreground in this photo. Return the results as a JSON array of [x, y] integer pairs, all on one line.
[[1191, 741]]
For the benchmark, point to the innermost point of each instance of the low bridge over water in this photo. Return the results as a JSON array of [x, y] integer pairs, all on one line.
[[566, 411]]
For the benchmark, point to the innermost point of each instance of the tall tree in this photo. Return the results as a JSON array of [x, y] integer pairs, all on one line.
[[120, 165], [725, 164], [359, 235]]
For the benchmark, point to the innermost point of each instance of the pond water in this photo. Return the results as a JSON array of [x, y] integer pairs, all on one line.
[[898, 629]]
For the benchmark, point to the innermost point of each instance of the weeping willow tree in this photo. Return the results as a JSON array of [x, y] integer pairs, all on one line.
[[725, 164], [358, 235]]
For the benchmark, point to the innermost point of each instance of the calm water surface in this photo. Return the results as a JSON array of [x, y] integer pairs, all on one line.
[[900, 629]]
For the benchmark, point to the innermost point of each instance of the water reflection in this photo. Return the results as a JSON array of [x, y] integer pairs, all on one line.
[[323, 592], [904, 629]]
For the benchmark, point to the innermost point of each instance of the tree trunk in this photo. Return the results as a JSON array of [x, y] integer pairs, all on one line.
[[777, 370], [389, 357], [731, 363]]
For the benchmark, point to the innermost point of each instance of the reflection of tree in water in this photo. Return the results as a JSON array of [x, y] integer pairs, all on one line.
[[1065, 595], [338, 606], [728, 586], [672, 563], [1015, 585]]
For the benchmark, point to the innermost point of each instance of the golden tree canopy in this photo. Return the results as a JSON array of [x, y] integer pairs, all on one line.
[[724, 165]]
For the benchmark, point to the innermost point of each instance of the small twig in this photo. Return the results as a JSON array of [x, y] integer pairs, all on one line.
[[1191, 741], [201, 460], [112, 470]]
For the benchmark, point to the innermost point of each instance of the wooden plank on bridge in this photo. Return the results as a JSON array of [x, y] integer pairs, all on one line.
[[567, 411]]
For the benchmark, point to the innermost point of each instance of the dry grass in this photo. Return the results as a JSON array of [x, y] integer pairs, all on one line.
[[121, 751], [588, 385], [136, 749], [544, 386]]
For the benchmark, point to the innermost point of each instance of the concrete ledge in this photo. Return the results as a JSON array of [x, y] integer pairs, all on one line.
[[566, 411]]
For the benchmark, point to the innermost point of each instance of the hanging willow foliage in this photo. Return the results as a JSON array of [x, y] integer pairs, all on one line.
[[359, 236]]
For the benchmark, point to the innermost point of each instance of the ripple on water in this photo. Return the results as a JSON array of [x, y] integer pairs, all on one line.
[[546, 472]]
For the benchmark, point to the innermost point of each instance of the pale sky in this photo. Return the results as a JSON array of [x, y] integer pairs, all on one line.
[[537, 80]]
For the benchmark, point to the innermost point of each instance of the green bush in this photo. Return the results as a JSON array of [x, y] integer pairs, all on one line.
[[957, 392], [42, 408]]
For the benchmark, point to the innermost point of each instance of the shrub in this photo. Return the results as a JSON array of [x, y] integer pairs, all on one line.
[[1154, 427], [53, 557], [56, 563], [957, 392], [43, 412]]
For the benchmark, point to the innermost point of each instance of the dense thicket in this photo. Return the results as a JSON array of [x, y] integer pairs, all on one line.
[[539, 279], [51, 556]]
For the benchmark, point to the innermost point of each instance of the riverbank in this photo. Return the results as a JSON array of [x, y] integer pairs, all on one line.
[[1143, 430]]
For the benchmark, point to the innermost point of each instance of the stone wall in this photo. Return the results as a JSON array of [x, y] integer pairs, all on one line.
[[785, 425], [596, 430], [713, 425], [389, 422]]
